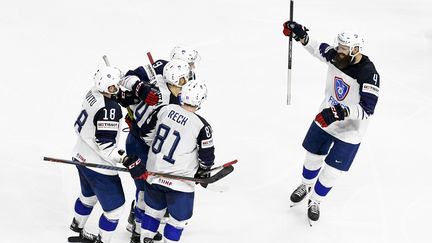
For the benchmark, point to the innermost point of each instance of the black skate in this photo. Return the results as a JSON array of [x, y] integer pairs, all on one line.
[[148, 240], [84, 236], [131, 219], [313, 211], [299, 194], [136, 237]]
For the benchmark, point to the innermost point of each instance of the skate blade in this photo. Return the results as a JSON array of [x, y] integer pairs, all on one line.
[[311, 222], [293, 205], [130, 228], [74, 239]]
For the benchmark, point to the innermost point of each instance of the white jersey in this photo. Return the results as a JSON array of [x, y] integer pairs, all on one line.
[[180, 141], [355, 87], [98, 129]]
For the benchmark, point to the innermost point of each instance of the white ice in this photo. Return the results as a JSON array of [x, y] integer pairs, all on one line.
[[49, 50]]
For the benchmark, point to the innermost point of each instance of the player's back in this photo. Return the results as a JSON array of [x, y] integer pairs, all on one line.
[[98, 119], [174, 148]]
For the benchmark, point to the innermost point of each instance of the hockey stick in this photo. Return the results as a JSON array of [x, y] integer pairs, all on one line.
[[221, 166], [227, 168], [105, 58], [72, 162], [290, 56], [150, 57]]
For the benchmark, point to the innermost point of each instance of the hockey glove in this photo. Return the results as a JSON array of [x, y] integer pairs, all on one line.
[[300, 32], [135, 167], [126, 98], [329, 115], [147, 92], [203, 172]]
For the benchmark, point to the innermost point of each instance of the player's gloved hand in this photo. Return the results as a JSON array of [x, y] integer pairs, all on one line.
[[135, 167], [203, 172], [300, 32], [126, 98], [147, 92], [329, 115]]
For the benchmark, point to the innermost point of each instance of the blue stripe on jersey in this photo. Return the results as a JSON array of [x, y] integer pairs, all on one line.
[[140, 73], [106, 224], [102, 141]]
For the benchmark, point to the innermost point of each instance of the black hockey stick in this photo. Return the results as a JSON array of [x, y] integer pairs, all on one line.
[[227, 168], [73, 162], [290, 56], [219, 175]]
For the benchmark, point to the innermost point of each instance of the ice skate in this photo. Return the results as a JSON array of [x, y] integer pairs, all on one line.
[[299, 194], [131, 219], [313, 212], [135, 238], [83, 236]]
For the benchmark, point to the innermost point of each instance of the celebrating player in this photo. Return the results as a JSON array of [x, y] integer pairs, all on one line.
[[98, 126], [175, 75], [181, 144], [351, 94]]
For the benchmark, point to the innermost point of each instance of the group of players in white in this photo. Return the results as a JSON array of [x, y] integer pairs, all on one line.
[[167, 136]]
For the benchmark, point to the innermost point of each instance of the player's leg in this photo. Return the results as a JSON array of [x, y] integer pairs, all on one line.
[[84, 204], [109, 191], [83, 208], [137, 147], [317, 144], [154, 208], [180, 208], [339, 160]]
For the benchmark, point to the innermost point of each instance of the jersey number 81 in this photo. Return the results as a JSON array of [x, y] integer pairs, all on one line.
[[161, 134]]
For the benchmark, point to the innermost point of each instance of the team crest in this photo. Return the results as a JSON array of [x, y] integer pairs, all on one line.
[[341, 88]]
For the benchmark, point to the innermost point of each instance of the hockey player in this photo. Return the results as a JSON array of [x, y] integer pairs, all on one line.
[[175, 75], [181, 144], [351, 94], [98, 126]]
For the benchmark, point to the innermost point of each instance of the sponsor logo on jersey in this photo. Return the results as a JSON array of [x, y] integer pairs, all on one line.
[[370, 88], [164, 182], [107, 126], [207, 143], [80, 157], [341, 88]]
